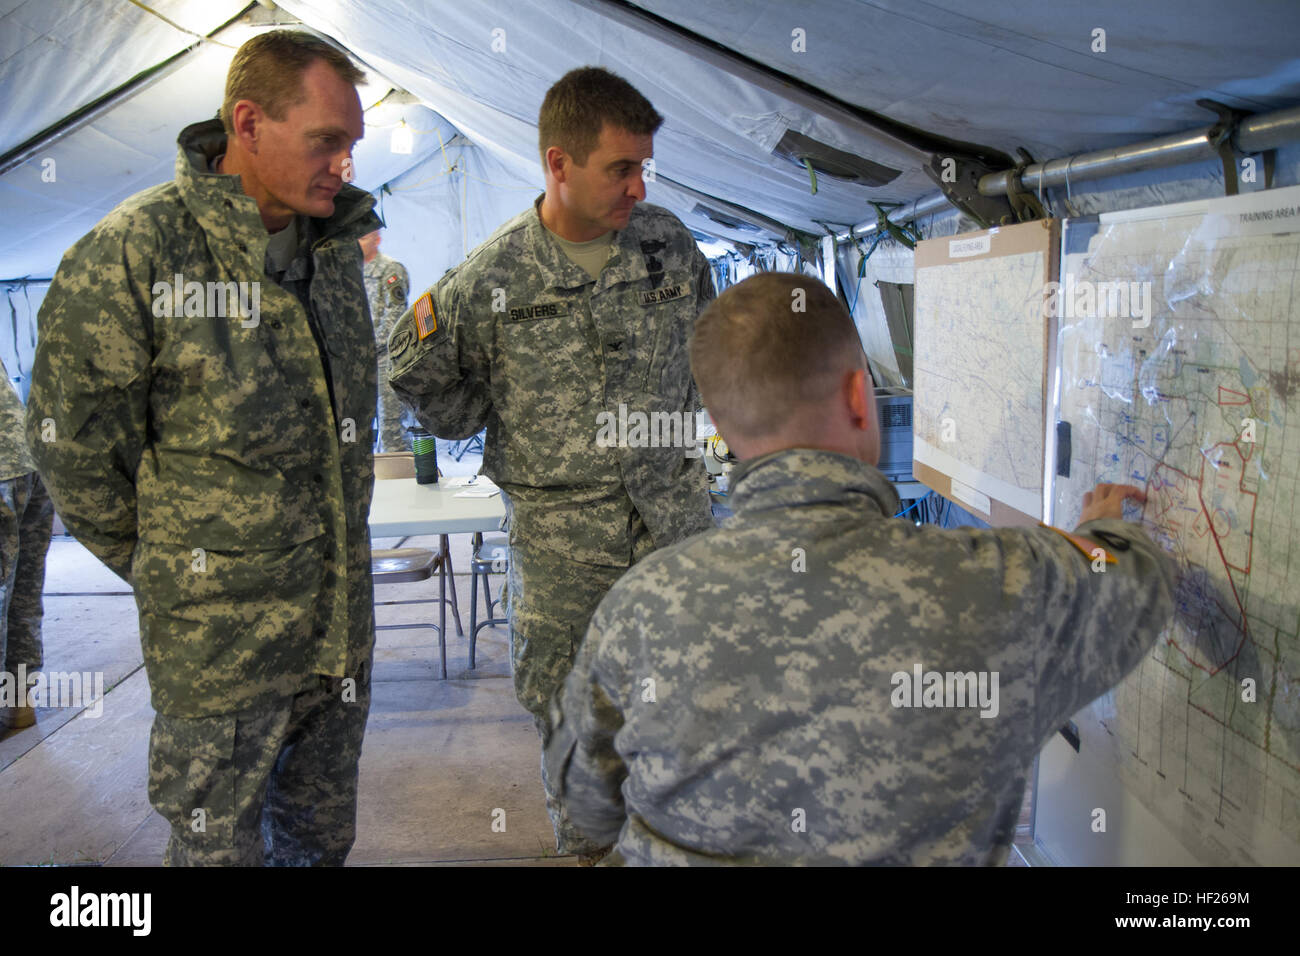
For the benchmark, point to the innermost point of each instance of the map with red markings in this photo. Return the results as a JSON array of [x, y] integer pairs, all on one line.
[[1198, 403]]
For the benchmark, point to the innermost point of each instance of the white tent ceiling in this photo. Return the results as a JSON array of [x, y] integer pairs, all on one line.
[[1003, 75], [1015, 73]]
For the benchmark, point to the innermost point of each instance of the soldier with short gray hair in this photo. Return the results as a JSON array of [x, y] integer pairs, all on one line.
[[817, 682], [207, 365]]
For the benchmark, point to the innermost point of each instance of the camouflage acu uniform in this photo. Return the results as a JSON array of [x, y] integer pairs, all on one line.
[[387, 283], [528, 345], [26, 517], [223, 467], [734, 700]]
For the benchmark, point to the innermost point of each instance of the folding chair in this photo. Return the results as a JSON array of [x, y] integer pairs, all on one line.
[[399, 565], [491, 555]]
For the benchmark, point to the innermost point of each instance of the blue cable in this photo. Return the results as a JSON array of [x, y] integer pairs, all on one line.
[[913, 504], [857, 290]]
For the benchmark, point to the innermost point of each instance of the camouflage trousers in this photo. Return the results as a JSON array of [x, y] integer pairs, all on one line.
[[274, 786], [550, 603], [26, 518], [392, 434]]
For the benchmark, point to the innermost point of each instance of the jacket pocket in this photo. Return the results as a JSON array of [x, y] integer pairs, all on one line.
[[225, 512], [221, 629], [539, 366]]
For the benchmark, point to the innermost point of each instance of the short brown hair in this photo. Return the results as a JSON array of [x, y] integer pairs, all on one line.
[[768, 348], [268, 70], [579, 105]]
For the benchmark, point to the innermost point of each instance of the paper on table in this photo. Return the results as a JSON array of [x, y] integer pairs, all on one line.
[[477, 491]]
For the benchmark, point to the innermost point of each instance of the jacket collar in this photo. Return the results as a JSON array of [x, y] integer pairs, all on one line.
[[808, 476], [222, 209]]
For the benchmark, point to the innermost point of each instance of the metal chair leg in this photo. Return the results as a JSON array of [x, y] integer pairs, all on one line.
[[477, 625], [473, 613], [442, 617], [455, 606]]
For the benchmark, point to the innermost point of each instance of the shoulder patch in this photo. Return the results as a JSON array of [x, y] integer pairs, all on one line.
[[426, 322], [1086, 547], [401, 342]]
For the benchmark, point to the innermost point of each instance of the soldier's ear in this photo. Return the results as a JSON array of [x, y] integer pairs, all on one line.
[[557, 163], [860, 398], [246, 120]]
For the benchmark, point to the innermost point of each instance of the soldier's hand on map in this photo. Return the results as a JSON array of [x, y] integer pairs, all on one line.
[[1107, 501]]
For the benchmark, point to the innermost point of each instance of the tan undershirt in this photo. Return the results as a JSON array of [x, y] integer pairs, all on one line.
[[590, 256]]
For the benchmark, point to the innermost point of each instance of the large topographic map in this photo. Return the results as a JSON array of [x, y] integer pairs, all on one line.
[[1196, 399]]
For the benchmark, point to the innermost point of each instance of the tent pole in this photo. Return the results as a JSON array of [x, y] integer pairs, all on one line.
[[1255, 134]]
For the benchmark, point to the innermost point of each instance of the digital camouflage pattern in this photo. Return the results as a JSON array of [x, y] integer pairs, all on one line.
[[387, 284], [772, 736], [261, 802], [529, 346], [224, 470], [15, 459], [551, 603], [26, 519]]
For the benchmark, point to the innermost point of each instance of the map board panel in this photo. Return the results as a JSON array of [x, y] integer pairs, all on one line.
[[981, 359]]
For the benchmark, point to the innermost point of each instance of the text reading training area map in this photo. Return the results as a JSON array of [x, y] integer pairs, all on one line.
[[1198, 403]]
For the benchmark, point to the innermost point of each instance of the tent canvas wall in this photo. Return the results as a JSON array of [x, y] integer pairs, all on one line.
[[870, 94]]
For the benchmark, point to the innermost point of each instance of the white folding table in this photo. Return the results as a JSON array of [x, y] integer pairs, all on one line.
[[403, 507]]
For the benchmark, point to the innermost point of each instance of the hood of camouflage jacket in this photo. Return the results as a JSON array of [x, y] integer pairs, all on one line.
[[218, 202], [810, 476]]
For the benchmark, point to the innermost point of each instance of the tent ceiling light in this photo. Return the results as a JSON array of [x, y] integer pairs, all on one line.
[[722, 219], [832, 162], [403, 140]]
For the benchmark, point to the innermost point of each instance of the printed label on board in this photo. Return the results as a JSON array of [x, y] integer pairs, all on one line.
[[974, 246]]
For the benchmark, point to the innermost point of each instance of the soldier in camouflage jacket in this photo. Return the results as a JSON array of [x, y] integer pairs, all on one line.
[[818, 682], [555, 354], [209, 439]]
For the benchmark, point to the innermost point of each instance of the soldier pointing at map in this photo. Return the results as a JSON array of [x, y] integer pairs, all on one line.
[[817, 682], [579, 306]]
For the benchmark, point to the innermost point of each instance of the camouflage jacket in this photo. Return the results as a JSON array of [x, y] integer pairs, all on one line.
[[217, 460], [530, 346], [739, 697], [387, 284], [15, 459]]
